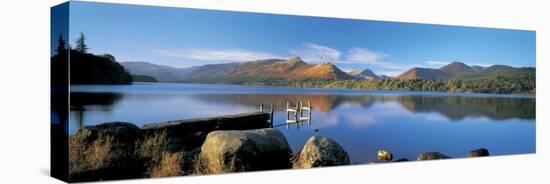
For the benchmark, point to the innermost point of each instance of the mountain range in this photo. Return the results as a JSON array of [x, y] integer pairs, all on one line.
[[461, 71], [295, 68], [291, 69], [367, 74], [162, 73]]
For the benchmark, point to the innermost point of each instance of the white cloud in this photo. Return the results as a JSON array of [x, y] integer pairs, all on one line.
[[317, 53], [323, 120], [217, 54], [365, 56], [312, 52], [347, 69], [360, 121], [375, 61], [390, 73], [432, 116], [438, 63], [309, 52]]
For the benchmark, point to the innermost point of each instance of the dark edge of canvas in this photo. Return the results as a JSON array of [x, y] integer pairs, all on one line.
[[59, 93]]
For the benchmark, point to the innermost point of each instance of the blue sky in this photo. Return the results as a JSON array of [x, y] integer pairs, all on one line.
[[189, 37]]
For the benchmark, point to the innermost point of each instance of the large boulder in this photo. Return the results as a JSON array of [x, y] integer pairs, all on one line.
[[246, 150], [481, 152], [384, 155], [320, 151], [105, 151], [432, 156]]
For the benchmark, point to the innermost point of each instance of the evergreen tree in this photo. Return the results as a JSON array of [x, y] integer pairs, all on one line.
[[61, 49], [81, 43]]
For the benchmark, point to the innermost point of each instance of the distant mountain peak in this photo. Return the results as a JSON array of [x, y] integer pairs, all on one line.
[[365, 74], [460, 71], [162, 73], [385, 76], [456, 68], [295, 59], [293, 68], [363, 71], [266, 60], [457, 63], [423, 73]]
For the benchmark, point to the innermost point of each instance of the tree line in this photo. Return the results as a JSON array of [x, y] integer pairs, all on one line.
[[85, 68], [499, 85]]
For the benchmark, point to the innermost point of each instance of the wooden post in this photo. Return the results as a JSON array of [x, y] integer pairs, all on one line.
[[287, 115], [296, 113], [310, 109], [261, 107], [309, 114], [271, 115], [287, 106], [301, 112]]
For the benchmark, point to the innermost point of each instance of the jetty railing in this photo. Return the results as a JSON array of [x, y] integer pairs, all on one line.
[[294, 114], [308, 110]]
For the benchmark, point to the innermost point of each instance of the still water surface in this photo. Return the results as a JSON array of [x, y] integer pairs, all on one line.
[[405, 123]]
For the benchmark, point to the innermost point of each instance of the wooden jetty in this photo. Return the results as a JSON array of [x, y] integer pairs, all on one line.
[[244, 121], [294, 114]]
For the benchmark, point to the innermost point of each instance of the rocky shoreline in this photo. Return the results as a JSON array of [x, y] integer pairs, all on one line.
[[237, 143]]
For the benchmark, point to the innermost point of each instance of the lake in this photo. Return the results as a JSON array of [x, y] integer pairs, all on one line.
[[404, 123]]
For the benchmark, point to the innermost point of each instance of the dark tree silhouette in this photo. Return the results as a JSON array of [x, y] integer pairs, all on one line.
[[59, 64], [85, 68], [108, 56], [61, 48], [81, 43]]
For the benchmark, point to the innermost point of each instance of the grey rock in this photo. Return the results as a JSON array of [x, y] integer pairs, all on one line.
[[321, 151], [247, 150], [384, 155], [481, 152]]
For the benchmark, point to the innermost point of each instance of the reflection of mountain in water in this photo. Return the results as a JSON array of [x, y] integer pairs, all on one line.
[[460, 107], [453, 107], [320, 102]]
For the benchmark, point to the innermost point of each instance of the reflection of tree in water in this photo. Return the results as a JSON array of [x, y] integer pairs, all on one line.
[[80, 101], [460, 107], [58, 105], [453, 107]]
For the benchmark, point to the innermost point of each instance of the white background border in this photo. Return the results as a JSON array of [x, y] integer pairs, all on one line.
[[24, 99]]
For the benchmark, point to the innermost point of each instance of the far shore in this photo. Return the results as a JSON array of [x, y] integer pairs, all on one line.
[[357, 91]]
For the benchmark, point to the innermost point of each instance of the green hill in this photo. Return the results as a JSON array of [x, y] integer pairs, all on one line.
[[497, 71]]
